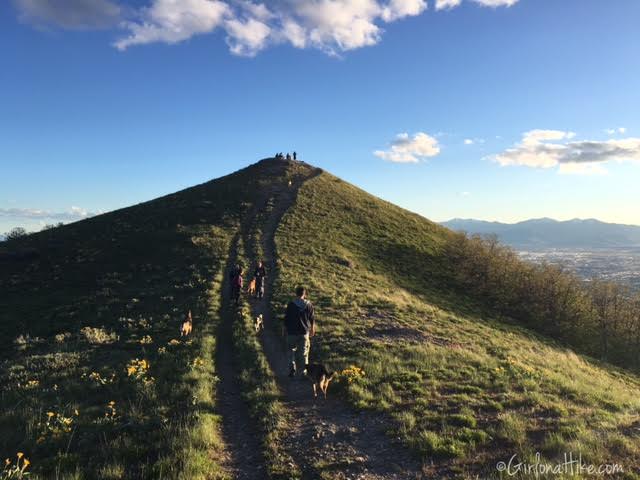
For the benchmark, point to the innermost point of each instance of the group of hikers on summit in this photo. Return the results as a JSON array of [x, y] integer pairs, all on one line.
[[299, 317], [281, 156]]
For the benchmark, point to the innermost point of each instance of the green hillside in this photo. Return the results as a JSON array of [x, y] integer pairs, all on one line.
[[95, 381], [462, 389]]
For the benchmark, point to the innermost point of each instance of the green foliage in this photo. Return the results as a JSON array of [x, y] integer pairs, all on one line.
[[599, 318], [15, 233]]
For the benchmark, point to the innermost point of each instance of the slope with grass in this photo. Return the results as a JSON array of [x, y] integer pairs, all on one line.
[[94, 380], [96, 383], [462, 390]]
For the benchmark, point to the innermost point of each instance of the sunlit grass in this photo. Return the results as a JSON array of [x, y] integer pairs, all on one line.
[[454, 382]]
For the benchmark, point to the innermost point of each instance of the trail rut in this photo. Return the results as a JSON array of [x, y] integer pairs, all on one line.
[[327, 439], [246, 461]]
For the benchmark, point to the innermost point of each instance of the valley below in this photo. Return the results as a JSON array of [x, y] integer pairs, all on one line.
[[620, 265]]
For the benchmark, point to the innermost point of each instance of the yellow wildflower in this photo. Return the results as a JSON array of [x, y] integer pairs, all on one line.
[[51, 414], [26, 463], [7, 461], [20, 455]]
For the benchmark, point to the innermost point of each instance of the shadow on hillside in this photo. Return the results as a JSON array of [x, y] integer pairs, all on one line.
[[428, 277]]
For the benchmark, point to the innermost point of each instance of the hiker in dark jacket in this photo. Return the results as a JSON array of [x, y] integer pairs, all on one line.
[[236, 284], [299, 323], [259, 274]]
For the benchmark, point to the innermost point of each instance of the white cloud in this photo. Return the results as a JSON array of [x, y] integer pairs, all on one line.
[[613, 131], [468, 141], [73, 214], [535, 137], [339, 25], [447, 4], [70, 14], [496, 3], [552, 148], [333, 26], [406, 149], [246, 38], [293, 33], [172, 21], [397, 9]]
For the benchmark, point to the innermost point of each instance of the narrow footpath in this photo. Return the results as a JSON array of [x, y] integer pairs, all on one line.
[[327, 439]]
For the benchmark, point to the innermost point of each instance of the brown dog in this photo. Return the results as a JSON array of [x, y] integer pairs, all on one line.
[[252, 287], [320, 377], [187, 325]]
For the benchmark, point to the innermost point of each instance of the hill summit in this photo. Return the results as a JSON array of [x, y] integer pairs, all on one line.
[[432, 382]]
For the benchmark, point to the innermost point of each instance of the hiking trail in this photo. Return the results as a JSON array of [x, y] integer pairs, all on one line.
[[245, 461], [326, 438]]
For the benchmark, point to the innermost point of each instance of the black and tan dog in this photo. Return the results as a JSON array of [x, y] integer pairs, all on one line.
[[320, 377]]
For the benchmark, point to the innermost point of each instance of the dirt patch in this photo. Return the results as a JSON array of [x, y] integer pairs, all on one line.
[[387, 329], [632, 430]]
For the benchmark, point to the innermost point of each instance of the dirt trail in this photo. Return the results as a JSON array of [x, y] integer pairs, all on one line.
[[246, 461], [327, 439]]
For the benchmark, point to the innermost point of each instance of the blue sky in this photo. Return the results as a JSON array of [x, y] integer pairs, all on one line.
[[106, 103]]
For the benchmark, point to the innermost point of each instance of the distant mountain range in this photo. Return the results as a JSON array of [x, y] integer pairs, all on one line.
[[549, 233]]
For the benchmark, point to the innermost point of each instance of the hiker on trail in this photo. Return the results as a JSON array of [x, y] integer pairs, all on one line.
[[259, 274], [300, 325], [295, 156], [288, 156], [236, 284]]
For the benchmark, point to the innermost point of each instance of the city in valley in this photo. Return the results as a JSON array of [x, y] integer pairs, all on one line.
[[621, 265]]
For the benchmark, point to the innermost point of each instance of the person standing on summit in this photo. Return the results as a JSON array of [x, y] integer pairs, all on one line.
[[300, 325]]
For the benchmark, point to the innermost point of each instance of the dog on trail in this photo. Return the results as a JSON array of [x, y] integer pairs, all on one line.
[[320, 377], [252, 286], [259, 323], [187, 325]]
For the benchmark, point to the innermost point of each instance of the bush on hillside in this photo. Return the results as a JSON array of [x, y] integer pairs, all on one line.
[[599, 318], [15, 233]]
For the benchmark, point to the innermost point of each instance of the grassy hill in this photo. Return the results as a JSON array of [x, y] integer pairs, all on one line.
[[463, 389], [96, 383]]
